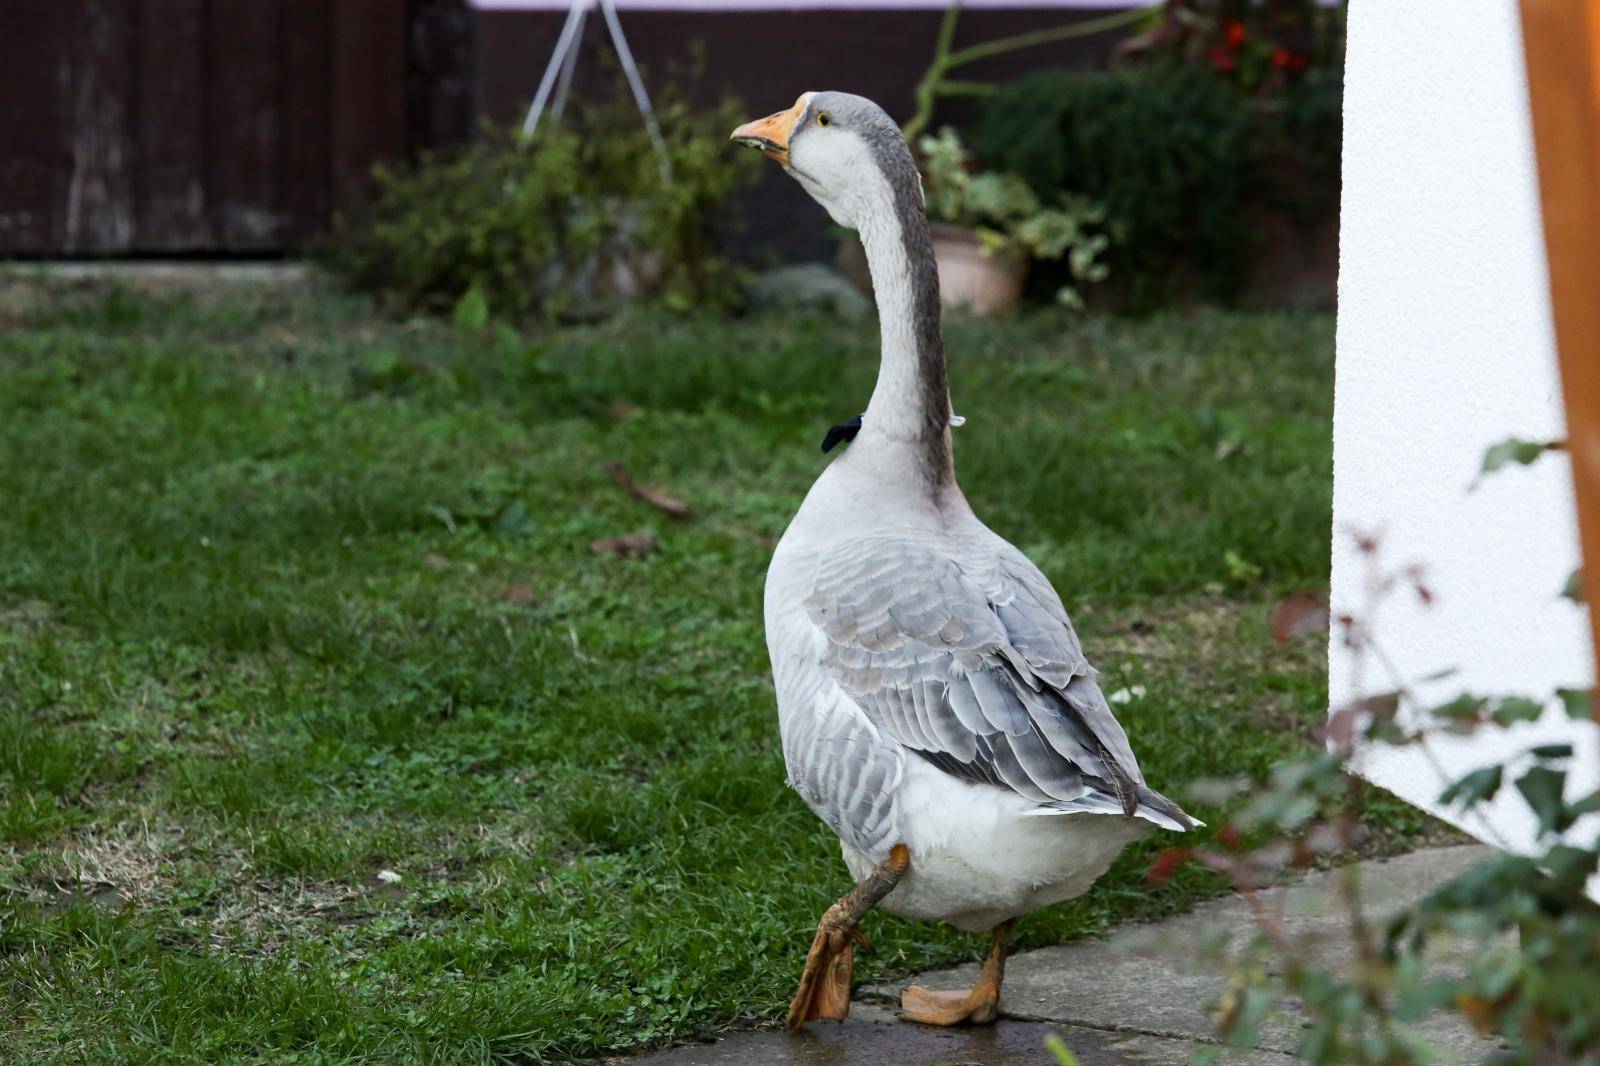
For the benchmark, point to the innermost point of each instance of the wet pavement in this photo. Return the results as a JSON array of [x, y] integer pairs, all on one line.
[[872, 1037], [1136, 998]]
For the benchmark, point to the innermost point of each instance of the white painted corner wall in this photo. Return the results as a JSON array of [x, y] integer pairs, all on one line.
[[1445, 346]]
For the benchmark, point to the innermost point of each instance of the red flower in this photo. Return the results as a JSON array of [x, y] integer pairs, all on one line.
[[1283, 59], [1233, 33], [1221, 58], [1166, 863]]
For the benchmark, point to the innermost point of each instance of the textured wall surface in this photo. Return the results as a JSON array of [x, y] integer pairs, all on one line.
[[1444, 347]]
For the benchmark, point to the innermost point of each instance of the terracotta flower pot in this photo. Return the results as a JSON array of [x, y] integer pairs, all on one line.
[[968, 279]]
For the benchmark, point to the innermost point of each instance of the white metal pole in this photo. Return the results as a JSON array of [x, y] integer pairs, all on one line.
[[569, 31], [630, 69]]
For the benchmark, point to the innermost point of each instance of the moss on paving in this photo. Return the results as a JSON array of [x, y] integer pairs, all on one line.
[[293, 595]]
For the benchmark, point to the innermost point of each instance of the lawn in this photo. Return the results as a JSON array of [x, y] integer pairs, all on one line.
[[324, 732]]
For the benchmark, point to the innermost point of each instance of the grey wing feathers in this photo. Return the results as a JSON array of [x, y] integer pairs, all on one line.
[[961, 652], [839, 765]]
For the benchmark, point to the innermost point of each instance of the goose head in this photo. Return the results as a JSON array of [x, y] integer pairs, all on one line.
[[843, 149]]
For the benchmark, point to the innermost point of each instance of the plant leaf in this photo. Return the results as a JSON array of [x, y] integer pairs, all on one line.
[[472, 310], [1589, 804], [1579, 702], [1477, 787], [1542, 787], [1062, 1053], [1570, 865], [1464, 706], [1516, 450], [1516, 709]]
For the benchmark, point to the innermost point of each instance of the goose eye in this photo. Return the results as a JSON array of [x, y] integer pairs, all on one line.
[[823, 119]]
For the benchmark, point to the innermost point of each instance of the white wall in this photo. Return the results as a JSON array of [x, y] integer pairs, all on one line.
[[1444, 347]]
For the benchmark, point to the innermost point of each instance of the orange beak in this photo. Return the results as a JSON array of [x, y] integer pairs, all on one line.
[[771, 134]]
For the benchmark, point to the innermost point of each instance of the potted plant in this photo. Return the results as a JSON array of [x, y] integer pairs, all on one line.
[[987, 228]]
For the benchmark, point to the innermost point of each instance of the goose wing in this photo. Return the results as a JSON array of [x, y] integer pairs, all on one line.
[[959, 650]]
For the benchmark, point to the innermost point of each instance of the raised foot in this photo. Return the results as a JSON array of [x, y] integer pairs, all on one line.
[[918, 1004], [824, 990]]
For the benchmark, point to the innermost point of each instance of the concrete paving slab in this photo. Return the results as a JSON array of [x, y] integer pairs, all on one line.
[[1145, 979], [1137, 998]]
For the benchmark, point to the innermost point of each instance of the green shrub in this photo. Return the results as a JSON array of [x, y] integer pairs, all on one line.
[[1177, 155], [1310, 137], [571, 222]]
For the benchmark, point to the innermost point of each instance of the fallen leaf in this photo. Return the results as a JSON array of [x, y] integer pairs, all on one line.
[[637, 545], [1299, 614], [621, 412], [435, 561], [518, 593], [654, 497]]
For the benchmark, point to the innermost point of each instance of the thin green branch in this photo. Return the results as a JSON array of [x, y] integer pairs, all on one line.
[[1089, 28], [933, 84], [947, 29], [929, 85], [964, 88]]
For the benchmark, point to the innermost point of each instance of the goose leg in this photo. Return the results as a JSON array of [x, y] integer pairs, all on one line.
[[979, 1006], [824, 990]]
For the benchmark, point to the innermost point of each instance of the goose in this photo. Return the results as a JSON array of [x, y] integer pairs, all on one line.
[[935, 707]]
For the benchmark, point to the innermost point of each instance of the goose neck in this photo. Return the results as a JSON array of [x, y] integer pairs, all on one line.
[[910, 405]]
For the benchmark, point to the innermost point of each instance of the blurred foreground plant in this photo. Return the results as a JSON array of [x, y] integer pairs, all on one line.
[[570, 222], [1534, 978]]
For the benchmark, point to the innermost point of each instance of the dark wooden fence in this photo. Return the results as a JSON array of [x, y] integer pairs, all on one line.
[[233, 127], [222, 126]]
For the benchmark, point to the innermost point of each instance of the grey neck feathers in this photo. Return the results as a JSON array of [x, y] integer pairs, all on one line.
[[910, 406]]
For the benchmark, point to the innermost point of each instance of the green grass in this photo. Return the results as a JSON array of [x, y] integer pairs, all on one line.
[[291, 594]]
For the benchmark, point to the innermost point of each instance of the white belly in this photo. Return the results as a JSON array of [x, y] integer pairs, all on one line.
[[979, 857]]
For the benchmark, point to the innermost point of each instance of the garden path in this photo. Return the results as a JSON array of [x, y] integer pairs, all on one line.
[[1136, 998]]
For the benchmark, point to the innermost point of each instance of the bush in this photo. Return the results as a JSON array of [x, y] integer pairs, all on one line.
[[571, 222], [1310, 136], [1525, 935], [1174, 153]]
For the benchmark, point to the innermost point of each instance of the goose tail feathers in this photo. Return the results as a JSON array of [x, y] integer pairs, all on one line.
[[1156, 808]]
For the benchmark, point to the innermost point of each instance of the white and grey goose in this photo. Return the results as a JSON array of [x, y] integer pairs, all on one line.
[[936, 708]]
